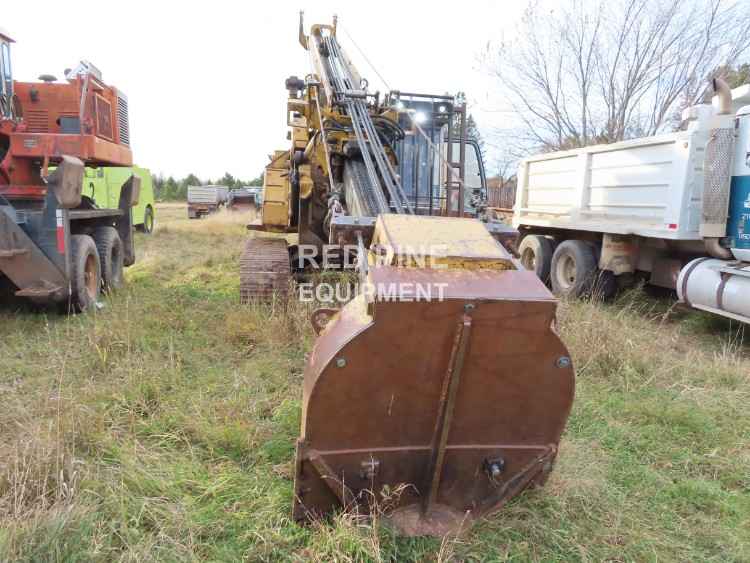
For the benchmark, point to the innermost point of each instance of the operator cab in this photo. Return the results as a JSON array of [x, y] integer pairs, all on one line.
[[423, 155], [6, 77]]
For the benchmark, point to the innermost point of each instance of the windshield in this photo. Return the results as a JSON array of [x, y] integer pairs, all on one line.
[[3, 47], [423, 172], [6, 88]]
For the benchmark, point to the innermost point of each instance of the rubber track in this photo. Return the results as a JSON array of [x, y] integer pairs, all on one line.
[[264, 270]]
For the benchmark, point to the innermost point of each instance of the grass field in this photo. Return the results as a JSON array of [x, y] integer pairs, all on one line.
[[161, 428]]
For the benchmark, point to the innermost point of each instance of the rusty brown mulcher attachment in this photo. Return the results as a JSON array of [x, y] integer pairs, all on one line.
[[264, 269], [458, 403]]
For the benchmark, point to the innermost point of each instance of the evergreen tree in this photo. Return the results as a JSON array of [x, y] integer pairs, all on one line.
[[229, 181], [158, 183], [185, 183], [472, 129], [171, 189]]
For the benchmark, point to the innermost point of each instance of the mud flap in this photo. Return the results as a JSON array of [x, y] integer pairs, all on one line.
[[129, 195]]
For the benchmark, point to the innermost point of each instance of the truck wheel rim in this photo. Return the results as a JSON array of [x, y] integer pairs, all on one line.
[[89, 275], [566, 272], [149, 222]]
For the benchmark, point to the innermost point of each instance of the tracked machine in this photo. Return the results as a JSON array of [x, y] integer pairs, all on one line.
[[56, 245], [443, 381]]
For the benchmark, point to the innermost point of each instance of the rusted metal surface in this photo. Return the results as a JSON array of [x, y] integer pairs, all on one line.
[[375, 392], [446, 407], [264, 270], [62, 119], [24, 262]]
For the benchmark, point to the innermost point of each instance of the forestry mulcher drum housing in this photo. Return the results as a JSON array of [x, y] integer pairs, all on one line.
[[443, 381], [56, 246]]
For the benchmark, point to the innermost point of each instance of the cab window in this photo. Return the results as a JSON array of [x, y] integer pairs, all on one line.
[[3, 47], [473, 171], [5, 70]]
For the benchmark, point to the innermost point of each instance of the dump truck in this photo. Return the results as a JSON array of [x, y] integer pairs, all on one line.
[[672, 209], [204, 200], [244, 199], [455, 400], [55, 246]]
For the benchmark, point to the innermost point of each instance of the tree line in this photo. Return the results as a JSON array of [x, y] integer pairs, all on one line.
[[170, 188]]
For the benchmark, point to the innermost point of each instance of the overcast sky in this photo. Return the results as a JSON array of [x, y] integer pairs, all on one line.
[[205, 80]]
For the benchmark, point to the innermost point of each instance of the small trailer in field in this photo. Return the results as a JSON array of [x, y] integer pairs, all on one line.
[[675, 208], [204, 200]]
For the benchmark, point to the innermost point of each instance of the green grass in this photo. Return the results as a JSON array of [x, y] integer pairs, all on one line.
[[161, 428]]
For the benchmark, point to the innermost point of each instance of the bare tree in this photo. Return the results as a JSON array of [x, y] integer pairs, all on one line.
[[593, 71]]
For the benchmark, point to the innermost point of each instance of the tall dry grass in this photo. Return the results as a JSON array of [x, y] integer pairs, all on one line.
[[162, 428]]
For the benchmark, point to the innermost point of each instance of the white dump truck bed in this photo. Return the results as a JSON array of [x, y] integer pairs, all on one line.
[[650, 187], [212, 195]]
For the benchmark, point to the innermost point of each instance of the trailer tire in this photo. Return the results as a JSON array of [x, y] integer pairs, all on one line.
[[573, 268], [85, 278], [536, 252], [111, 257]]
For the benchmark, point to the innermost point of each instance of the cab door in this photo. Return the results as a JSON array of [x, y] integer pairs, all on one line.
[[94, 187], [116, 177]]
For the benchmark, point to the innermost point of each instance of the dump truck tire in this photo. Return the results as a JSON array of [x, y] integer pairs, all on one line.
[[109, 247], [536, 255], [573, 269], [85, 279]]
